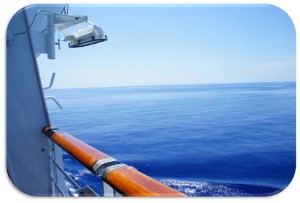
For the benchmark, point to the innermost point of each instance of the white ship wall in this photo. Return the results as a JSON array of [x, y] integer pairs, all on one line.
[[28, 167]]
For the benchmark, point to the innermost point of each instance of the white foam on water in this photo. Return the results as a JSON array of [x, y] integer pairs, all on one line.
[[193, 188], [71, 189]]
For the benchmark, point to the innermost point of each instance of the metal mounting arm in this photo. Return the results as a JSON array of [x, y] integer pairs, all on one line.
[[57, 103], [51, 82]]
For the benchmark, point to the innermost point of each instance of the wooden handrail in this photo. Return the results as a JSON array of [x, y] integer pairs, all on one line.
[[124, 179], [84, 153], [128, 181]]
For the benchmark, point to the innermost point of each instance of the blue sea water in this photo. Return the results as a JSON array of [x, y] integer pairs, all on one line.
[[203, 140]]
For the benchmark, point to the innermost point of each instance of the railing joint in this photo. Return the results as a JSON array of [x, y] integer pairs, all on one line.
[[101, 165]]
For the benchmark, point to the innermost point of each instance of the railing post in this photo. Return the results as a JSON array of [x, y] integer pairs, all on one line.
[[108, 191]]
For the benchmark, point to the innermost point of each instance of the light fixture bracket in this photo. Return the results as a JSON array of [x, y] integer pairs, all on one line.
[[45, 42]]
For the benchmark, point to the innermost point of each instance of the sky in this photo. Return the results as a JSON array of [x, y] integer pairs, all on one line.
[[183, 44]]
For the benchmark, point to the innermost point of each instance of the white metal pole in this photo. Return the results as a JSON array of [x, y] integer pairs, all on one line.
[[51, 36]]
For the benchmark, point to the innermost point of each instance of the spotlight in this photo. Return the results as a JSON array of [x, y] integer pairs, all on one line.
[[90, 35]]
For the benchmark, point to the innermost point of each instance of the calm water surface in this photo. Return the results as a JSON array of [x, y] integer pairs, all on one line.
[[204, 140]]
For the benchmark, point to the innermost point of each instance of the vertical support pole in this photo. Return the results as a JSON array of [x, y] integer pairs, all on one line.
[[107, 190], [51, 36]]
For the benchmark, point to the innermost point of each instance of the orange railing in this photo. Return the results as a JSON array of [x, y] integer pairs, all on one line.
[[124, 179]]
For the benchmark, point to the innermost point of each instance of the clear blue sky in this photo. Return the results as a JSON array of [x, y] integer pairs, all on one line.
[[158, 45]]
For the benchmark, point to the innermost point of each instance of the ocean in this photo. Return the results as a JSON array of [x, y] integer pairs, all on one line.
[[203, 140]]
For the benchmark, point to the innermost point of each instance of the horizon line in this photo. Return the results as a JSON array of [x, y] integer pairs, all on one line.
[[183, 84]]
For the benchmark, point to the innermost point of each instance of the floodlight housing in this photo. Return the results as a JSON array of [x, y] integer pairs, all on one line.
[[90, 35]]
